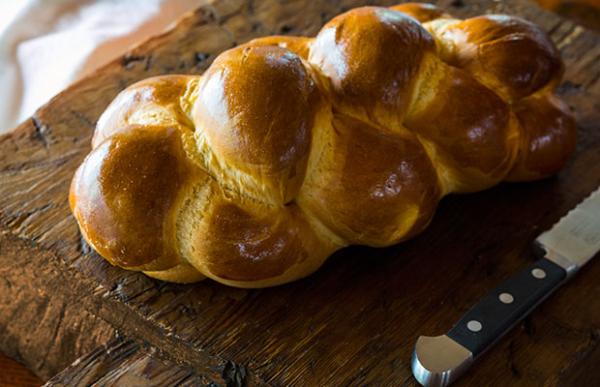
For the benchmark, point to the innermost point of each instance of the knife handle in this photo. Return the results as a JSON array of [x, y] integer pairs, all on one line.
[[509, 303]]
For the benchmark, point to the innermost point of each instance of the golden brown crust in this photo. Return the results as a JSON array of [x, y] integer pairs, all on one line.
[[155, 100], [354, 50], [251, 242], [475, 145], [125, 193], [549, 132], [289, 148], [296, 44], [183, 273], [257, 106], [420, 11], [372, 187], [512, 56]]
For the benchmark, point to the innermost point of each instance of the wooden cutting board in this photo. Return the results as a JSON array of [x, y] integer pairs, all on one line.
[[353, 322]]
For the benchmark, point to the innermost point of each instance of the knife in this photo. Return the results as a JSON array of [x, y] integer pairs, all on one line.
[[569, 245]]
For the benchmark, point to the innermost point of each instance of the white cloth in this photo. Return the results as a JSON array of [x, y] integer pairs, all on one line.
[[45, 45]]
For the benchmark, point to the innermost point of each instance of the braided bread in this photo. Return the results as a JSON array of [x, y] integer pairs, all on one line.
[[289, 148]]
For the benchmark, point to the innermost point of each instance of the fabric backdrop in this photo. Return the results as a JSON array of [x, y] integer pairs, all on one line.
[[45, 45]]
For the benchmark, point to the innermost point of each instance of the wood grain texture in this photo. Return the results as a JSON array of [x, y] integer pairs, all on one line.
[[353, 322], [14, 374], [42, 320], [584, 12], [124, 362]]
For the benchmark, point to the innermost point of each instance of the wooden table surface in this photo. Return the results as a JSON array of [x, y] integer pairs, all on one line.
[[13, 374], [584, 12], [353, 322]]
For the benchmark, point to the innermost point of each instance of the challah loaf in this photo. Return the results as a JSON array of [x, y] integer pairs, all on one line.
[[289, 148]]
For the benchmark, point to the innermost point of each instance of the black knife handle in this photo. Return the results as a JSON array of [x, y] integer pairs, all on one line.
[[505, 306]]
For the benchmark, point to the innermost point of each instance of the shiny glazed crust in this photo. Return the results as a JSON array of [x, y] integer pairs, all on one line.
[[289, 148]]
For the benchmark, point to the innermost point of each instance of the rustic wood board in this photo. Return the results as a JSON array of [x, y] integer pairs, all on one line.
[[353, 322], [123, 362], [15, 374]]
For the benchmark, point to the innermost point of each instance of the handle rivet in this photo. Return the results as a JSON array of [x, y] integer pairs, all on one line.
[[474, 326], [538, 273], [506, 298]]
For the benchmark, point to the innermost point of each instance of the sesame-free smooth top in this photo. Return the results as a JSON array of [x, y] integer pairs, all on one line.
[[288, 148]]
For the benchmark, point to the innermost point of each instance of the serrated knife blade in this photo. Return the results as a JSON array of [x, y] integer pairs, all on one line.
[[575, 239], [568, 245]]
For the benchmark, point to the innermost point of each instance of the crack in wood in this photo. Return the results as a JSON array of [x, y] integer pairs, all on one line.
[[512, 365], [84, 247], [148, 62], [552, 30], [41, 131], [568, 88], [128, 61], [21, 217], [82, 117], [234, 374], [200, 58], [54, 335]]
